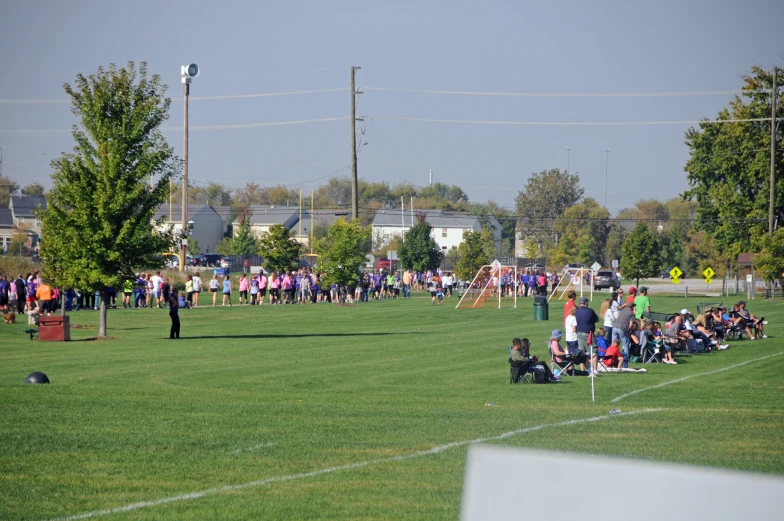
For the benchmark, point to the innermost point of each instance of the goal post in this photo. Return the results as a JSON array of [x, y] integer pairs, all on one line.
[[574, 278], [486, 285]]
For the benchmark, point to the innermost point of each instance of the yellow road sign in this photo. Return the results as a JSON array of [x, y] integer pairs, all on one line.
[[676, 273], [709, 273], [708, 281]]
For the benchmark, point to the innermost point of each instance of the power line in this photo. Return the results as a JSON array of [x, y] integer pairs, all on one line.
[[573, 95], [45, 133], [566, 123], [34, 101]]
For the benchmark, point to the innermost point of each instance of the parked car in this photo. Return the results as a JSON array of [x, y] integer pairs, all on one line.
[[606, 279], [225, 263], [208, 260]]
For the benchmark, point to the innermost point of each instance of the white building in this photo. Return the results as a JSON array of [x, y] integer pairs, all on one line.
[[448, 227], [208, 227]]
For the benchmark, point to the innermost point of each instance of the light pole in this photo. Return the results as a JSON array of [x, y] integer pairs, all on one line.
[[606, 162], [188, 72], [569, 159]]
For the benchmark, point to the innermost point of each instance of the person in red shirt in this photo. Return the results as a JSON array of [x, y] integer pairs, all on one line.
[[569, 303], [613, 356], [632, 294]]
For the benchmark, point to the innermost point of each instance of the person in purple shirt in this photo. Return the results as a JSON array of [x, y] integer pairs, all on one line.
[[377, 285]]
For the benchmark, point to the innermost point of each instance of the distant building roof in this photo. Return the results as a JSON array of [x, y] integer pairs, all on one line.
[[745, 259], [25, 205], [436, 219], [267, 215], [176, 211], [224, 212], [6, 217]]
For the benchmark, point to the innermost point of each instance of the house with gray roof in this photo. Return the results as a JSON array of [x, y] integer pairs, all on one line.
[[21, 217], [448, 227], [301, 220], [208, 227]]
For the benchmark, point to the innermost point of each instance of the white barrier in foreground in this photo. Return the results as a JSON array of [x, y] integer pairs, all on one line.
[[506, 484]]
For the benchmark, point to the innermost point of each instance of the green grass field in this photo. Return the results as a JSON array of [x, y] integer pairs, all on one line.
[[255, 407]]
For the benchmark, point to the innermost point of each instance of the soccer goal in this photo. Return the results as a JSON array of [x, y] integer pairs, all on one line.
[[487, 286], [574, 278]]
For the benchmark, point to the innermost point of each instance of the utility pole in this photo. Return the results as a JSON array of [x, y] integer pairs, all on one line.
[[354, 180], [431, 177], [187, 72], [186, 87], [606, 162], [773, 95], [569, 159]]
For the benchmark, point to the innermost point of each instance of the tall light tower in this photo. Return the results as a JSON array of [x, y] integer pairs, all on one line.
[[606, 163], [188, 72]]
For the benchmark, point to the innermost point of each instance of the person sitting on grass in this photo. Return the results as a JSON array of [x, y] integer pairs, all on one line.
[[520, 354]]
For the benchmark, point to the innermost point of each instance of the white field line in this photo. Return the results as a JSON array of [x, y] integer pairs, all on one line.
[[304, 475], [678, 380], [251, 449]]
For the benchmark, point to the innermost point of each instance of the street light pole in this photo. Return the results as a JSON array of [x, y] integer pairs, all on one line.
[[606, 162], [188, 72], [569, 159]]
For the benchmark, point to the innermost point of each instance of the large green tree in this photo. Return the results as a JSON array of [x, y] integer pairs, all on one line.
[[476, 250], [98, 226], [279, 248], [419, 251], [640, 258], [244, 241], [544, 199], [342, 252], [582, 234], [770, 261], [729, 167], [33, 189]]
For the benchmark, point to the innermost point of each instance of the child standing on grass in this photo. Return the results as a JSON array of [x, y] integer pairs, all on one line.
[[214, 289], [227, 290], [243, 289]]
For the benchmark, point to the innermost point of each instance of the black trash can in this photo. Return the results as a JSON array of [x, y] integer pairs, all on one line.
[[541, 308]]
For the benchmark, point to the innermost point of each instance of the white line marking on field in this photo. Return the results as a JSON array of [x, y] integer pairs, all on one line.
[[678, 380], [304, 475], [251, 449]]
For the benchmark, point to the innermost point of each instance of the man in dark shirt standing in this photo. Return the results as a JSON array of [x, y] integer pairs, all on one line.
[[21, 294], [4, 285], [586, 323], [621, 330]]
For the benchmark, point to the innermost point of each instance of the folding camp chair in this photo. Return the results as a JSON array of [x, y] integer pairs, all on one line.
[[651, 352], [520, 372], [565, 367]]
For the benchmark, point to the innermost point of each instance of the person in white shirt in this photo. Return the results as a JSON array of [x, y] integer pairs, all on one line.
[[157, 287], [197, 284]]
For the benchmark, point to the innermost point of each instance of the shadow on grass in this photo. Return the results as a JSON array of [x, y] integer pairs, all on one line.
[[294, 335]]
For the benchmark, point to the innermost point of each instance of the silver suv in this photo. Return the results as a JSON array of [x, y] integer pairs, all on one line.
[[606, 279]]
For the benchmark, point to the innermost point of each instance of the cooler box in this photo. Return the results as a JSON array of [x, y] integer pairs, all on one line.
[[54, 329]]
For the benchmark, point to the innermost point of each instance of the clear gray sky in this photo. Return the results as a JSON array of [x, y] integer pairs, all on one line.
[[246, 47]]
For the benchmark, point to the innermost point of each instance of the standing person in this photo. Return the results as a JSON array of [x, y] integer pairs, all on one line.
[[632, 295], [157, 284], [377, 284], [433, 289], [274, 285], [128, 289], [391, 285], [166, 290], [4, 290], [586, 323], [641, 302], [622, 327], [287, 284], [174, 314], [44, 294], [150, 291], [407, 284], [569, 303], [263, 282], [244, 289], [254, 289], [227, 290], [541, 283], [196, 289], [214, 284], [189, 289], [608, 317], [570, 328], [21, 294]]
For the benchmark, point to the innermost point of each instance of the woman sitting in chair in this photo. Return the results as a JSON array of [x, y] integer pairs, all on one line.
[[561, 357], [521, 354]]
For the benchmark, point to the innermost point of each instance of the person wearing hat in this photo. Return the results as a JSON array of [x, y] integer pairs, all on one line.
[[561, 357], [632, 294], [622, 327], [586, 323], [642, 302]]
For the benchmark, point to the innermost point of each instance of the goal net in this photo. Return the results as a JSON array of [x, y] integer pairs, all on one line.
[[576, 279], [490, 284]]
